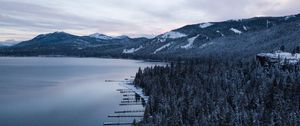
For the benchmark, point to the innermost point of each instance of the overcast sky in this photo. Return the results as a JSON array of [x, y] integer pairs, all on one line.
[[24, 19]]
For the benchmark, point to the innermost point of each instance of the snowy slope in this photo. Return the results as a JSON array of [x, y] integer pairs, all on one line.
[[132, 50], [173, 35], [236, 31], [170, 35], [190, 43], [205, 25], [161, 48]]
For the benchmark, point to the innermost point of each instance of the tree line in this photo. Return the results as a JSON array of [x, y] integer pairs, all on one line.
[[201, 92]]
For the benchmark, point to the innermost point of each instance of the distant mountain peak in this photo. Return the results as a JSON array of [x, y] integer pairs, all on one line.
[[57, 32], [106, 37], [53, 33], [101, 36], [9, 42], [122, 37], [60, 32]]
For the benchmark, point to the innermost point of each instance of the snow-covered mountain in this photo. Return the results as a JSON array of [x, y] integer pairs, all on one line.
[[101, 36], [62, 43], [106, 37], [231, 38]]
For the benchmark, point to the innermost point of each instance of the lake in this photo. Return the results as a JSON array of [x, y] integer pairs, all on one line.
[[37, 91]]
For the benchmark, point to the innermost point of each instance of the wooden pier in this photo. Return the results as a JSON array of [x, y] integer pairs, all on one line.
[[122, 104], [130, 111], [127, 92], [130, 98], [124, 90], [119, 116], [127, 101], [123, 81], [129, 95], [116, 123]]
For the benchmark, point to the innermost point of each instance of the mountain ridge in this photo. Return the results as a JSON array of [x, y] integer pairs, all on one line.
[[193, 40]]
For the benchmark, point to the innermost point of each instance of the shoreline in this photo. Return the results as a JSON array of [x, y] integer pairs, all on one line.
[[134, 113], [61, 56]]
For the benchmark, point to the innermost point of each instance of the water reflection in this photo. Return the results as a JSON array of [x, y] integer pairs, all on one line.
[[62, 91]]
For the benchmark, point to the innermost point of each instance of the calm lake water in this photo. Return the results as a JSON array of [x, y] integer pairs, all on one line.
[[61, 91]]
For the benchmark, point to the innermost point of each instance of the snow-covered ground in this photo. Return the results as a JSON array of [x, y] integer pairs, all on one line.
[[161, 48], [190, 43], [236, 31], [132, 50], [282, 57], [205, 25]]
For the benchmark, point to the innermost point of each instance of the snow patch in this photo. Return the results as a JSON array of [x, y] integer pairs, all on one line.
[[132, 50], [245, 28], [171, 35], [100, 36], [236, 31], [190, 43], [161, 48], [105, 37], [205, 45], [205, 25]]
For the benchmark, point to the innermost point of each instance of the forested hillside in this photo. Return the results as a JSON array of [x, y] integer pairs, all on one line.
[[217, 82], [237, 39], [204, 92]]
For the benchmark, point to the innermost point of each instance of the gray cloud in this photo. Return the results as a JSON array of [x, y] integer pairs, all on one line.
[[35, 18], [25, 19]]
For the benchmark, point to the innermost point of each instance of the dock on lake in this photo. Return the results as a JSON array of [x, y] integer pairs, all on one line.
[[122, 104], [129, 111], [130, 98], [116, 123], [119, 116]]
